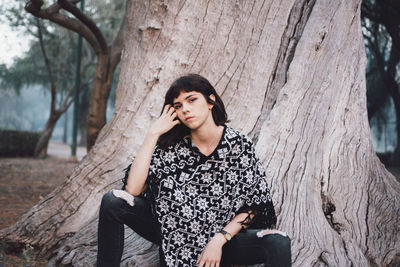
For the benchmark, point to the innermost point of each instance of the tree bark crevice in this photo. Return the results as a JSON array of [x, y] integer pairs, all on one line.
[[289, 39]]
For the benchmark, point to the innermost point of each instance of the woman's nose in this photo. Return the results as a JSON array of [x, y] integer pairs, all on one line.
[[185, 107]]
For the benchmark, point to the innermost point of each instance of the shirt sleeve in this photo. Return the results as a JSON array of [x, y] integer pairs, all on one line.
[[258, 202]]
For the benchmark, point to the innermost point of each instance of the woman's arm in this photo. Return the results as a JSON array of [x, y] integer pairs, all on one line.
[[140, 168], [212, 253]]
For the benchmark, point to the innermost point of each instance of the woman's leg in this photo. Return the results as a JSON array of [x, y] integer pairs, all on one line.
[[114, 213], [247, 248]]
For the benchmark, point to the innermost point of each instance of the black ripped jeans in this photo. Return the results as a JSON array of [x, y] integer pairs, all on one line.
[[245, 248]]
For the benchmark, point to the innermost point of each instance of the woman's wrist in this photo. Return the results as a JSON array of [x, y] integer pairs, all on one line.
[[220, 239], [153, 136]]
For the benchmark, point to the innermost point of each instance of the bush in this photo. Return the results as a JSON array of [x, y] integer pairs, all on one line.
[[18, 143]]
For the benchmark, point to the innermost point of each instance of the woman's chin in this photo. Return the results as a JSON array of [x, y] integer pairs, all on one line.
[[192, 126]]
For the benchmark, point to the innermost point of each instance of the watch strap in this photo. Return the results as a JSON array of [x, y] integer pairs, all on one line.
[[227, 235]]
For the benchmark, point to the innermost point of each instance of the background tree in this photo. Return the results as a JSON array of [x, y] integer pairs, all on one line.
[[292, 75], [47, 63], [108, 56], [50, 62], [381, 23]]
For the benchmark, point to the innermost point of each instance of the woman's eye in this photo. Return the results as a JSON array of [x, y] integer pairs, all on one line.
[[193, 99], [177, 106]]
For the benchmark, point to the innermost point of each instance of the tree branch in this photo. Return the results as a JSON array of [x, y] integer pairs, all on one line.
[[65, 4], [68, 98], [51, 13], [48, 67], [36, 5]]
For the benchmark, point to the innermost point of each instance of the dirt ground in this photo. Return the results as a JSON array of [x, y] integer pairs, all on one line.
[[23, 182]]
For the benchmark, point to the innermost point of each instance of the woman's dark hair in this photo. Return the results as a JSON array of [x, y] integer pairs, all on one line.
[[189, 83]]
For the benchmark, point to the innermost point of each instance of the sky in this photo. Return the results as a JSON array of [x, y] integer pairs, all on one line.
[[12, 42]]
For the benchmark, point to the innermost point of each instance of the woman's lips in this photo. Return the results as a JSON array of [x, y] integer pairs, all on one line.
[[189, 118]]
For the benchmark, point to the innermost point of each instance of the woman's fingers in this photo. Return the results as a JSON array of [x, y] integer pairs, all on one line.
[[207, 262], [173, 114], [199, 259], [171, 110], [166, 108]]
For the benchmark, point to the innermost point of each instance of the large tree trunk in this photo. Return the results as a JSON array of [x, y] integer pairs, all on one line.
[[103, 77], [292, 76], [100, 92]]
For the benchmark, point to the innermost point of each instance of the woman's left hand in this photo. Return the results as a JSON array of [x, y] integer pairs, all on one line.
[[212, 253]]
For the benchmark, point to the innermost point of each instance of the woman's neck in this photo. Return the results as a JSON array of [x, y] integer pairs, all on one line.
[[207, 138]]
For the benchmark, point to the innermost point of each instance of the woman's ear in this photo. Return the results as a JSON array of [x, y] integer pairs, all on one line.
[[212, 97]]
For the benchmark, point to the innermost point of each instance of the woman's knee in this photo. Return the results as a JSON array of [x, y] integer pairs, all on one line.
[[110, 202], [277, 241], [278, 250]]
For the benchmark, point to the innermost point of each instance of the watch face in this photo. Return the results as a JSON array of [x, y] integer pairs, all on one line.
[[228, 236]]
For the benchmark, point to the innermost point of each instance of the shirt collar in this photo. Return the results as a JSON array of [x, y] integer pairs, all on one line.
[[188, 141]]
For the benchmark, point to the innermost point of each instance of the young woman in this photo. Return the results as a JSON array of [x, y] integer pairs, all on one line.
[[196, 188]]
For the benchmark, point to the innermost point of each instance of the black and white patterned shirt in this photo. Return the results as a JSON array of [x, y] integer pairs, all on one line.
[[194, 196]]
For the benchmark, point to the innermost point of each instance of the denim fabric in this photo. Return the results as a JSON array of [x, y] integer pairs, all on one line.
[[245, 248]]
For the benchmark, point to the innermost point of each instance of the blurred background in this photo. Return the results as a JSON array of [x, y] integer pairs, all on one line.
[[38, 62]]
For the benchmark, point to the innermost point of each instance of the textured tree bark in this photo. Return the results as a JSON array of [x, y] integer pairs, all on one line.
[[291, 74]]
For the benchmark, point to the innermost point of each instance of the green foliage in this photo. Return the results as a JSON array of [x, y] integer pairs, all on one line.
[[18, 143]]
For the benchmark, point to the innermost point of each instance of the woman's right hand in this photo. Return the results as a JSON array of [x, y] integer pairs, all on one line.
[[165, 122]]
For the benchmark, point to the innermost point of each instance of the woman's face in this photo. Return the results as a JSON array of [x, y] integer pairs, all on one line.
[[192, 109]]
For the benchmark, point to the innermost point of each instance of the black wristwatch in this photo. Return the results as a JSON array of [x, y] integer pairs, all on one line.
[[227, 235]]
